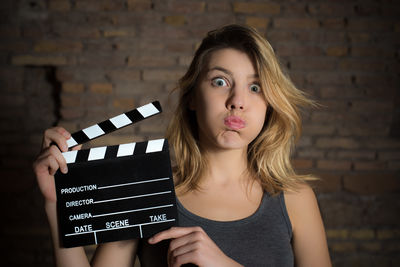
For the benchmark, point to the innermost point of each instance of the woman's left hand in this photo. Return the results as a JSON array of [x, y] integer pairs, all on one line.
[[192, 245]]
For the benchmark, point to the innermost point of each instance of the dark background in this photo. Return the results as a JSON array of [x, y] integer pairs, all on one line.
[[76, 62]]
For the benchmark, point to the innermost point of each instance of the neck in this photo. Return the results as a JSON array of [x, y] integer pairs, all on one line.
[[226, 166]]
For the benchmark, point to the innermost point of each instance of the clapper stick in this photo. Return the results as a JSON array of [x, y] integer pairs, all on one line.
[[118, 192], [112, 124]]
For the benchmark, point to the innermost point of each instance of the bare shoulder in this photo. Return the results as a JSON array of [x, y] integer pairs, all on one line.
[[309, 241], [301, 204]]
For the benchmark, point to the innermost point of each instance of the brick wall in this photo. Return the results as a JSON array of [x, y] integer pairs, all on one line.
[[76, 62]]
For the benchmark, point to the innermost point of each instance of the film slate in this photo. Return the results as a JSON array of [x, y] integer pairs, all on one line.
[[116, 192]]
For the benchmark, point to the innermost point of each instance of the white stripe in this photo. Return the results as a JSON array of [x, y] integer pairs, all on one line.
[[95, 238], [120, 120], [155, 145], [126, 149], [70, 156], [97, 153], [71, 142], [148, 110], [93, 131]]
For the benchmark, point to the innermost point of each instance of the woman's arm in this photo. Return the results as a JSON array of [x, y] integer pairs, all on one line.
[[309, 240], [45, 166]]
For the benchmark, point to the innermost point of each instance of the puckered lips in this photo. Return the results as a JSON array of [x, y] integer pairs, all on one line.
[[234, 122]]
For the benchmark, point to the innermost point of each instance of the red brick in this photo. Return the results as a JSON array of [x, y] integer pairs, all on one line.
[[337, 51], [362, 234], [369, 165], [297, 49], [329, 78], [296, 23], [66, 31], [186, 7], [333, 23], [99, 5], [385, 234], [370, 51], [342, 247], [59, 5], [337, 234], [369, 25], [11, 31], [119, 32], [369, 155], [327, 183], [95, 100], [70, 87], [124, 75], [338, 165], [254, 8], [389, 155], [219, 6], [175, 20], [331, 8], [362, 65], [162, 75], [257, 22], [14, 46], [71, 113], [123, 103], [315, 129], [68, 100], [101, 88], [139, 5], [310, 153], [302, 163], [57, 46], [337, 142], [368, 183], [109, 59], [166, 32], [373, 105], [39, 60], [151, 61], [315, 63]]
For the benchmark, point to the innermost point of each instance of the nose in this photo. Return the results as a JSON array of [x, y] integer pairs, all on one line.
[[236, 100]]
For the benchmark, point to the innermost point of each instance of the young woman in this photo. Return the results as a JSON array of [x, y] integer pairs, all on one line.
[[239, 201]]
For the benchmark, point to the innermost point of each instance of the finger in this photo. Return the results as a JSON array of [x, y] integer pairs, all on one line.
[[57, 135], [173, 232], [192, 257], [186, 239], [60, 160], [188, 247], [78, 147]]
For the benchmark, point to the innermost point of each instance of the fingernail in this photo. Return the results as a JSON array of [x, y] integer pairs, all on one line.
[[64, 170], [151, 239]]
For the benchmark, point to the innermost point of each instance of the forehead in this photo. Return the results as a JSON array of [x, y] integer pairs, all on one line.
[[232, 59]]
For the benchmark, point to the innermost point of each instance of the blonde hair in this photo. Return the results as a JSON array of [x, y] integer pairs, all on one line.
[[269, 153]]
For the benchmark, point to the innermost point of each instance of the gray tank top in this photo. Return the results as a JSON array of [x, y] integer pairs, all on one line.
[[262, 239]]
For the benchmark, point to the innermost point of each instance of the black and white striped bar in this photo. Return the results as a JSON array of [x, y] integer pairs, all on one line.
[[114, 123], [115, 193]]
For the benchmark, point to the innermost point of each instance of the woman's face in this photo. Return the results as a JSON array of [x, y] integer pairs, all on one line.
[[228, 101]]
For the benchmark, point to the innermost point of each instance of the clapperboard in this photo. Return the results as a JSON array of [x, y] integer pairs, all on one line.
[[119, 192]]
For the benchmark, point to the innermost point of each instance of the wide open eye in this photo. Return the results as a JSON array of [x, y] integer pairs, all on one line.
[[255, 88], [219, 82]]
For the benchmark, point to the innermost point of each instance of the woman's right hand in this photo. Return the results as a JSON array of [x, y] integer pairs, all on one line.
[[50, 160]]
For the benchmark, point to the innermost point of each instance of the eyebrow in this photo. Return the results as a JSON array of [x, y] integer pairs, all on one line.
[[228, 71]]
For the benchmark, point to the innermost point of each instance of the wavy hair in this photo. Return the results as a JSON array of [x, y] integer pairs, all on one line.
[[269, 153]]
